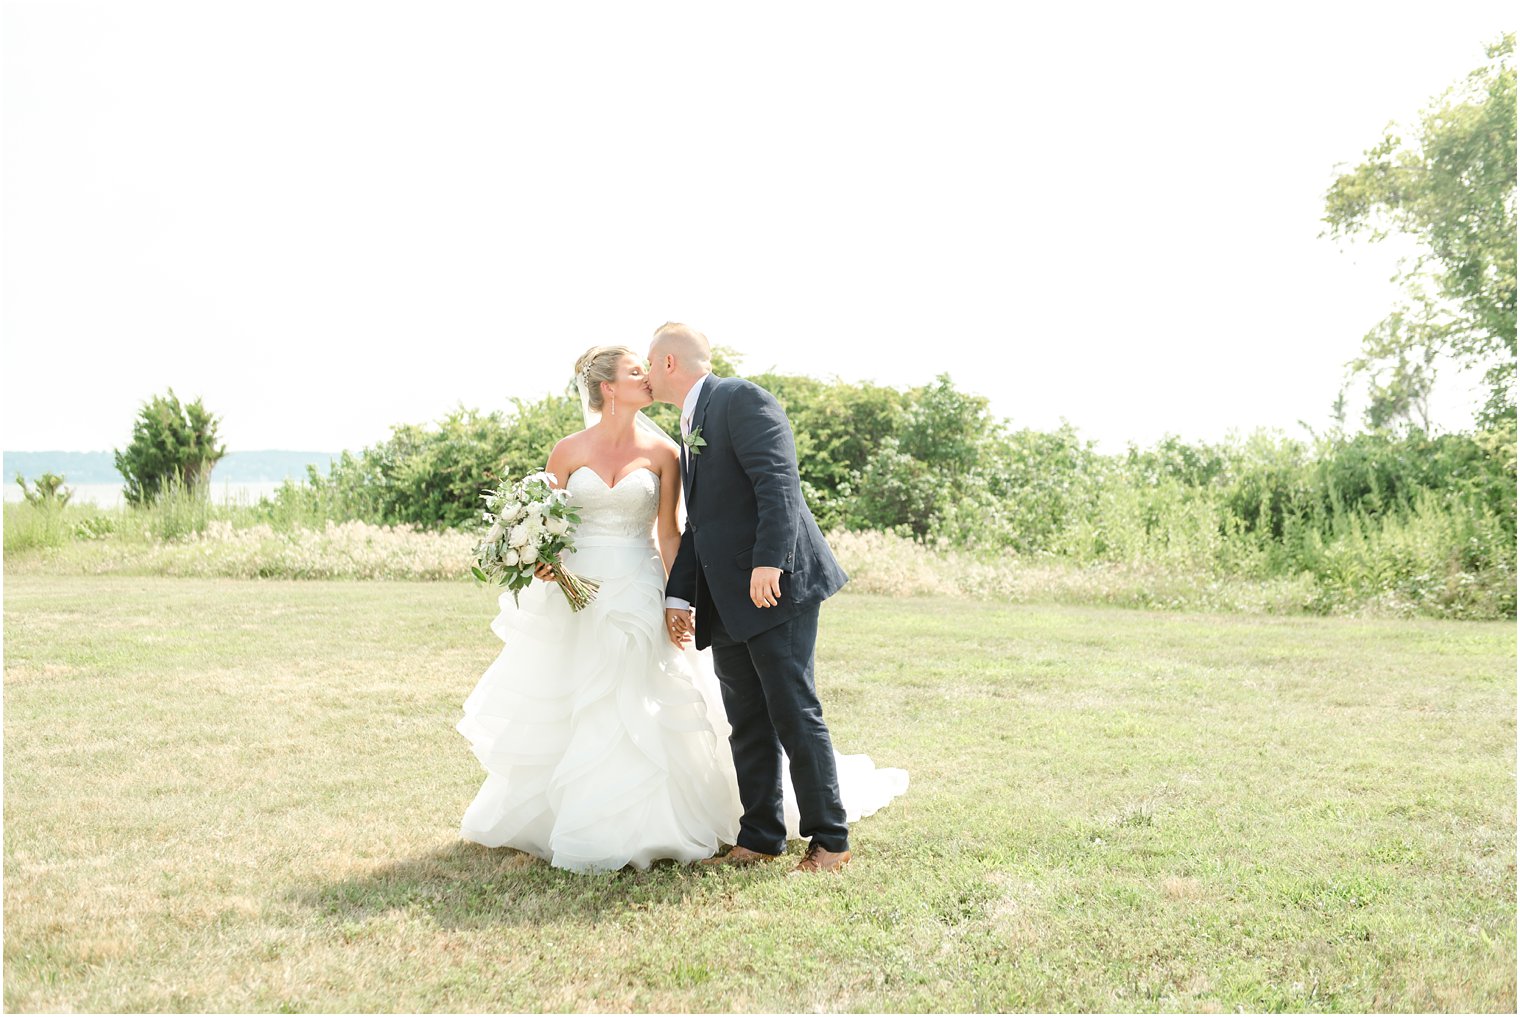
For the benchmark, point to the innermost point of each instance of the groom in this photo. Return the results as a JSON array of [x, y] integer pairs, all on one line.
[[754, 567]]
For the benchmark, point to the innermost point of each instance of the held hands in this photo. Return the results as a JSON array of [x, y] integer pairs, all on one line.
[[543, 570], [765, 587], [678, 625], [764, 591]]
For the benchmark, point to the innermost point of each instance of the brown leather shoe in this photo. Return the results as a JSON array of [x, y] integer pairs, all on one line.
[[739, 855], [818, 859]]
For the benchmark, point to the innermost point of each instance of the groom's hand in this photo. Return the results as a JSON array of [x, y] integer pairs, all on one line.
[[765, 587], [678, 626]]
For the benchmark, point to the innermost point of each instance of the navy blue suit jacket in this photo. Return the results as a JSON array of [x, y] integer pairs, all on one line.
[[744, 509]]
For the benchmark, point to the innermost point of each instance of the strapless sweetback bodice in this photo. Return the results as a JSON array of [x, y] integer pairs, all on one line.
[[626, 509]]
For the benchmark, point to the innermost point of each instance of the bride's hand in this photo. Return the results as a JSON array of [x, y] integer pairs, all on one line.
[[545, 571], [679, 625]]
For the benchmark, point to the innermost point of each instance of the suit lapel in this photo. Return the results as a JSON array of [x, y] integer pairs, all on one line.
[[685, 474], [697, 417]]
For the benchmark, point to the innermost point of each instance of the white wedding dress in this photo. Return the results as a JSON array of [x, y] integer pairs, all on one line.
[[603, 744]]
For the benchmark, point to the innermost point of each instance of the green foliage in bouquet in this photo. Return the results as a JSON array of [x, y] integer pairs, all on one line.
[[531, 522]]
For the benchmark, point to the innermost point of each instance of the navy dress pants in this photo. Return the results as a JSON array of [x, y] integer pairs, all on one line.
[[772, 705]]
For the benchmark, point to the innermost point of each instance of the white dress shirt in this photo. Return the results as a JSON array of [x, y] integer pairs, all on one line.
[[689, 407], [688, 410]]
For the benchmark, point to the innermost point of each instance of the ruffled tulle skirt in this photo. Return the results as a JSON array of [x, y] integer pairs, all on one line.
[[603, 745]]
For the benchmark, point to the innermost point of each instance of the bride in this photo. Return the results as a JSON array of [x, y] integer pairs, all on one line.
[[605, 745]]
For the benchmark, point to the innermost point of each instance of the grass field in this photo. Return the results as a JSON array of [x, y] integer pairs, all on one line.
[[245, 795]]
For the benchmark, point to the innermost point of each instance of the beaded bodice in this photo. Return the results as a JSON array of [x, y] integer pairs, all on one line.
[[626, 509]]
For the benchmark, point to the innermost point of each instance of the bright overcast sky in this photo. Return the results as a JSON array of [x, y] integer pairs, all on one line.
[[326, 217]]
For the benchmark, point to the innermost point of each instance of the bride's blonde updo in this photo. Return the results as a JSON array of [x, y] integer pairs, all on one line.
[[599, 364]]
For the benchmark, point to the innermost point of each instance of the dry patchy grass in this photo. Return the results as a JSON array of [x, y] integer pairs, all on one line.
[[233, 795]]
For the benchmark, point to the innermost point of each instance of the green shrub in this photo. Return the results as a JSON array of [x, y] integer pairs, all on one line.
[[898, 493], [47, 489], [1406, 522], [1027, 487], [1441, 557], [837, 427], [429, 476], [168, 441]]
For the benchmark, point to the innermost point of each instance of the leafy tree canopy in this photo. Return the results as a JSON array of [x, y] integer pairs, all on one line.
[[1451, 186]]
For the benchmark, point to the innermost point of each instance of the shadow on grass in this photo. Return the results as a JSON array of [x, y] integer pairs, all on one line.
[[466, 885]]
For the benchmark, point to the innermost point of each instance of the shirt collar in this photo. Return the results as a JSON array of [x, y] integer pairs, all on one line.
[[689, 408]]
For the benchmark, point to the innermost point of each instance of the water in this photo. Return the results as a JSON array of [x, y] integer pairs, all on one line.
[[109, 495]]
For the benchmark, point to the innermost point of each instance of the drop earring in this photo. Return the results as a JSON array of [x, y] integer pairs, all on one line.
[[613, 406]]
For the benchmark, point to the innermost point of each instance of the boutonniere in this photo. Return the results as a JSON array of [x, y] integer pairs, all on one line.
[[694, 440]]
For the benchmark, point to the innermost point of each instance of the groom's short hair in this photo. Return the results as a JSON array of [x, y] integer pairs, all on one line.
[[690, 346]]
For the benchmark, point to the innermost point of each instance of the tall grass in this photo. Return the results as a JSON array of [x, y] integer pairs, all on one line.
[[30, 526], [178, 512], [313, 503], [1442, 557]]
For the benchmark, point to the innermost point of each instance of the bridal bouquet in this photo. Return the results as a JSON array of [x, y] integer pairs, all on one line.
[[531, 522]]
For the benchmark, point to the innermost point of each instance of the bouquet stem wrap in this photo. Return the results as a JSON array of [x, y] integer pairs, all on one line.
[[578, 590]]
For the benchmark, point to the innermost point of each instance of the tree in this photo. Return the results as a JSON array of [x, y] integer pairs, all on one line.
[[725, 362], [1399, 361], [1453, 189], [169, 441]]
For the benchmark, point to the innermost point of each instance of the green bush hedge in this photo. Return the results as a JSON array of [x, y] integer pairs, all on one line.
[[1427, 519]]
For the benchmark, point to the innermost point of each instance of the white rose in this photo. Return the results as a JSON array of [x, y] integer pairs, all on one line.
[[510, 510], [556, 525], [527, 555], [495, 532], [510, 558], [517, 536]]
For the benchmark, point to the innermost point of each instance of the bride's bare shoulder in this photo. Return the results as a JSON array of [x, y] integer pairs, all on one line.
[[659, 447], [663, 453], [568, 454], [654, 436], [573, 442]]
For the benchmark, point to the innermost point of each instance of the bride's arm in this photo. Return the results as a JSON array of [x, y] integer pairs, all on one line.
[[670, 490], [559, 466], [560, 459]]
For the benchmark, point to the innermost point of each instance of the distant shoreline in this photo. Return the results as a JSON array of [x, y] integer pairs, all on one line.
[[110, 495], [258, 466]]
